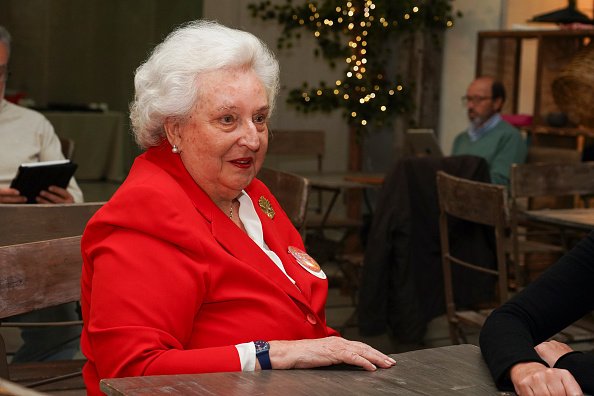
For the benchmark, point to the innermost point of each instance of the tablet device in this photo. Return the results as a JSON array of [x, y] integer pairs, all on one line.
[[33, 177], [423, 143]]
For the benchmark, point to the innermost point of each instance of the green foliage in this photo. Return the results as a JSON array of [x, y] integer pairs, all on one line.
[[356, 34]]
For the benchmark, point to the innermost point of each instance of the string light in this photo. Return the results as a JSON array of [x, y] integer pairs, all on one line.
[[365, 92]]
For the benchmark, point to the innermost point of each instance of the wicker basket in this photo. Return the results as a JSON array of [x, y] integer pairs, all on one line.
[[573, 89]]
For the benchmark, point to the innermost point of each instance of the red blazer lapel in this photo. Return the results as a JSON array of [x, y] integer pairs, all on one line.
[[273, 229], [241, 246]]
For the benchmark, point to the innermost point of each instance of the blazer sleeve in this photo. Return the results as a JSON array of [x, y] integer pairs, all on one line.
[[145, 294]]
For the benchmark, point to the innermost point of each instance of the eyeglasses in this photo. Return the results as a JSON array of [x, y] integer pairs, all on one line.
[[474, 99], [3, 72]]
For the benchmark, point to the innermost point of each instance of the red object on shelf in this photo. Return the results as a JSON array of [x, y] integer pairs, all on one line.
[[518, 120]]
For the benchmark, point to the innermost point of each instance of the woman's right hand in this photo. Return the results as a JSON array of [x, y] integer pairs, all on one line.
[[535, 379], [10, 195], [327, 351]]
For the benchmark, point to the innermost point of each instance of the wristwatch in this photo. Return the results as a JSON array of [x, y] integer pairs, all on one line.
[[262, 348]]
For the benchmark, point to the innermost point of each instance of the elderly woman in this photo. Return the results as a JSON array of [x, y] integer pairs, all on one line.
[[193, 266]]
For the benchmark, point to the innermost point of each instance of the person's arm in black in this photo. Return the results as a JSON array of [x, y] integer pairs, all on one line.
[[559, 297]]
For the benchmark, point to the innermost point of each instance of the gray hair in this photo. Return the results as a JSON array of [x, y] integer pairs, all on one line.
[[5, 38], [167, 83]]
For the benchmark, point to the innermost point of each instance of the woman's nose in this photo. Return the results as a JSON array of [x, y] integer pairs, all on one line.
[[250, 136]]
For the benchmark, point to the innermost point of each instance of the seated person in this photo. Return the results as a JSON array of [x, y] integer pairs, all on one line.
[[27, 136], [192, 266], [513, 339], [489, 136]]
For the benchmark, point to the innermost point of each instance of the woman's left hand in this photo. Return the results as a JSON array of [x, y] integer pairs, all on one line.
[[551, 351], [56, 195]]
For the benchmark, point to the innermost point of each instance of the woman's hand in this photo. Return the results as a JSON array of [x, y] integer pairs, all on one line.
[[535, 379], [325, 352], [11, 196], [551, 351], [55, 195]]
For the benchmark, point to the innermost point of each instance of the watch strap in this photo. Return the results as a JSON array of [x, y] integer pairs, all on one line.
[[262, 354]]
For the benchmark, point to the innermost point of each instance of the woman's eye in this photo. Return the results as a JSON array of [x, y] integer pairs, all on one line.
[[228, 119], [259, 118]]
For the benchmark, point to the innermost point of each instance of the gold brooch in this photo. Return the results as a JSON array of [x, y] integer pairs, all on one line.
[[266, 207]]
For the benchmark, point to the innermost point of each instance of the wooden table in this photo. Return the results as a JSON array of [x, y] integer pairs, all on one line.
[[451, 370], [580, 219], [344, 180], [338, 182]]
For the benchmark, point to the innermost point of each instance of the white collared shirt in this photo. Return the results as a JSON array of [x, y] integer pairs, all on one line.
[[475, 133]]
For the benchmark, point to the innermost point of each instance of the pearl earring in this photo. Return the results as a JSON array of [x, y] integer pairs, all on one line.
[[174, 149]]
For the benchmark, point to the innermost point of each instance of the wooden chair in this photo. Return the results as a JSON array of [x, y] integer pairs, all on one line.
[[38, 222], [26, 224], [38, 275], [304, 144], [479, 203], [67, 147], [529, 181], [569, 180], [291, 191]]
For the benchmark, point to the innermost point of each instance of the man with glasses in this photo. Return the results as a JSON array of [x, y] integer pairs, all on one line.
[[488, 135], [27, 136]]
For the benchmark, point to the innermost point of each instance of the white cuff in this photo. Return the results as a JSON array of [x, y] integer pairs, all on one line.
[[247, 356]]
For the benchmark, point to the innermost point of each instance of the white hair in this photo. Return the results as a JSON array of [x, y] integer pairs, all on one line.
[[167, 84]]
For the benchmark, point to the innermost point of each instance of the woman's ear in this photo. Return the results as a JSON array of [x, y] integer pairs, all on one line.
[[172, 131]]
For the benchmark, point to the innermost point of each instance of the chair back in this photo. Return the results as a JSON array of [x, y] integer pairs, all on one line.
[[538, 154], [40, 274], [476, 202], [291, 191], [40, 267], [551, 179], [38, 222], [298, 143], [539, 186]]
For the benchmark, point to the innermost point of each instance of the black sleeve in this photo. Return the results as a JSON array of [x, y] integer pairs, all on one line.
[[581, 366], [559, 297]]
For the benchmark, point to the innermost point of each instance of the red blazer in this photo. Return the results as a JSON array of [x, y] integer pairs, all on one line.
[[170, 284]]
